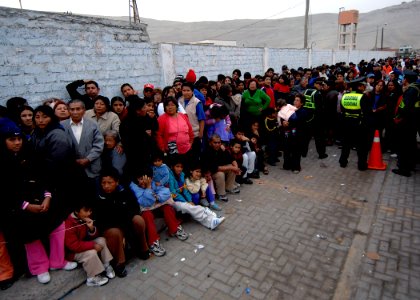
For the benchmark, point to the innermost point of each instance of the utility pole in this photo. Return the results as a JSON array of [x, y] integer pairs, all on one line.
[[305, 41], [376, 38], [20, 2], [382, 39], [132, 4]]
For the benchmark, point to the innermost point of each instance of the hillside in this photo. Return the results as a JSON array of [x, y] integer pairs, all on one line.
[[402, 23]]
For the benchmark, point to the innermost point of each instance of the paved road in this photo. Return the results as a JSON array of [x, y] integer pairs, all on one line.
[[325, 233]]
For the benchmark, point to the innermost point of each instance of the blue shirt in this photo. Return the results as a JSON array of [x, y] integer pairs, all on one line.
[[161, 174]]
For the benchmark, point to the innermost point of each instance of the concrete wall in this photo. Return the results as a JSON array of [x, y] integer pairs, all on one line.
[[41, 52]]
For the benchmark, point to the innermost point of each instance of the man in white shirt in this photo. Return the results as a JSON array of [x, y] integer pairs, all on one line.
[[87, 139]]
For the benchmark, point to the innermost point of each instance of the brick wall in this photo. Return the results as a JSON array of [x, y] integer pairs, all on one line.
[[42, 52]]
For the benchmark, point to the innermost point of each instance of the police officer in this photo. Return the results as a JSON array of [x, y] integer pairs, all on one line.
[[316, 125], [405, 122], [354, 106]]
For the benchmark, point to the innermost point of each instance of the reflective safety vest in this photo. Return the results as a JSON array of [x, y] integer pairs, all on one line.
[[401, 105], [351, 104], [309, 98]]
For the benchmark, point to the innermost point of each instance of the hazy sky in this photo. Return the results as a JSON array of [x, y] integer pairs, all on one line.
[[196, 10]]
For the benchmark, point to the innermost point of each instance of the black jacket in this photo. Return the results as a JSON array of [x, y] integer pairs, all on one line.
[[116, 210]]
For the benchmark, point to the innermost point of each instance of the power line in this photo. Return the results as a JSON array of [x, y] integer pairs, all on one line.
[[259, 21], [359, 34]]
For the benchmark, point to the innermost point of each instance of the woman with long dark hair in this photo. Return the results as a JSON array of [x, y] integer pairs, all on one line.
[[37, 207], [393, 94], [26, 122], [377, 114]]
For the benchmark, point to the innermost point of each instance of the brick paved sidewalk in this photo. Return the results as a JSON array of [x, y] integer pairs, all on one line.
[[288, 236]]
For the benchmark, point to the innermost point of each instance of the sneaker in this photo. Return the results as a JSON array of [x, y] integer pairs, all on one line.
[[234, 191], [216, 222], [109, 271], [204, 202], [44, 277], [5, 284], [157, 249], [255, 175], [223, 198], [214, 206], [247, 181], [394, 155], [296, 171], [70, 265], [120, 270], [144, 255], [208, 211], [181, 234], [98, 280]]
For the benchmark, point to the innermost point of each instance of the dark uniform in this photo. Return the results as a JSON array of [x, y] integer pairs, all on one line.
[[316, 122], [406, 126], [354, 107]]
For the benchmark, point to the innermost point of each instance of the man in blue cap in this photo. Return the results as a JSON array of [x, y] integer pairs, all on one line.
[[370, 81]]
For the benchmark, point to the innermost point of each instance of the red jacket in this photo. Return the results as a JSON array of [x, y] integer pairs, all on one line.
[[282, 88], [270, 92], [77, 238]]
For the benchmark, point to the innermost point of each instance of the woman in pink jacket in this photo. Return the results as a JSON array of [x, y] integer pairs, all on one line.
[[175, 135]]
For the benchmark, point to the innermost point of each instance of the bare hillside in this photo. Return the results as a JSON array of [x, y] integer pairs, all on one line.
[[402, 27]]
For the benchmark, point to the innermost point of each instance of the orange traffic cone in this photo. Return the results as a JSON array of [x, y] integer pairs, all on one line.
[[375, 157]]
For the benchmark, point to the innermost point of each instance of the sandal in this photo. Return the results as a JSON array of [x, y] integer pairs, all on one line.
[[266, 172]]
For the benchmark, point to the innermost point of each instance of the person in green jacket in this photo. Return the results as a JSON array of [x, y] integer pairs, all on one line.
[[254, 102]]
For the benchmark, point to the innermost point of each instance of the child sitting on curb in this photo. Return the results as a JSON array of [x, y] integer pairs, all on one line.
[[118, 216], [183, 200], [249, 156], [200, 189], [160, 170], [235, 150], [84, 245], [156, 200]]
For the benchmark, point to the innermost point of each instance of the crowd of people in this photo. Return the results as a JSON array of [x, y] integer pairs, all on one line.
[[83, 180]]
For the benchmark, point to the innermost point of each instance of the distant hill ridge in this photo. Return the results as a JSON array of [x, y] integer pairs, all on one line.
[[403, 23]]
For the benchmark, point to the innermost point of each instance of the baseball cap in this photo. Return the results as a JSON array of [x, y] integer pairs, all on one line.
[[149, 86]]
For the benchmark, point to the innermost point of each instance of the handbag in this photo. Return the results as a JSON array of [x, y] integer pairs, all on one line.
[[172, 148]]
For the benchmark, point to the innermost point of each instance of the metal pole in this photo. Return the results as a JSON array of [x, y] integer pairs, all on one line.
[[382, 39], [305, 39], [129, 11]]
